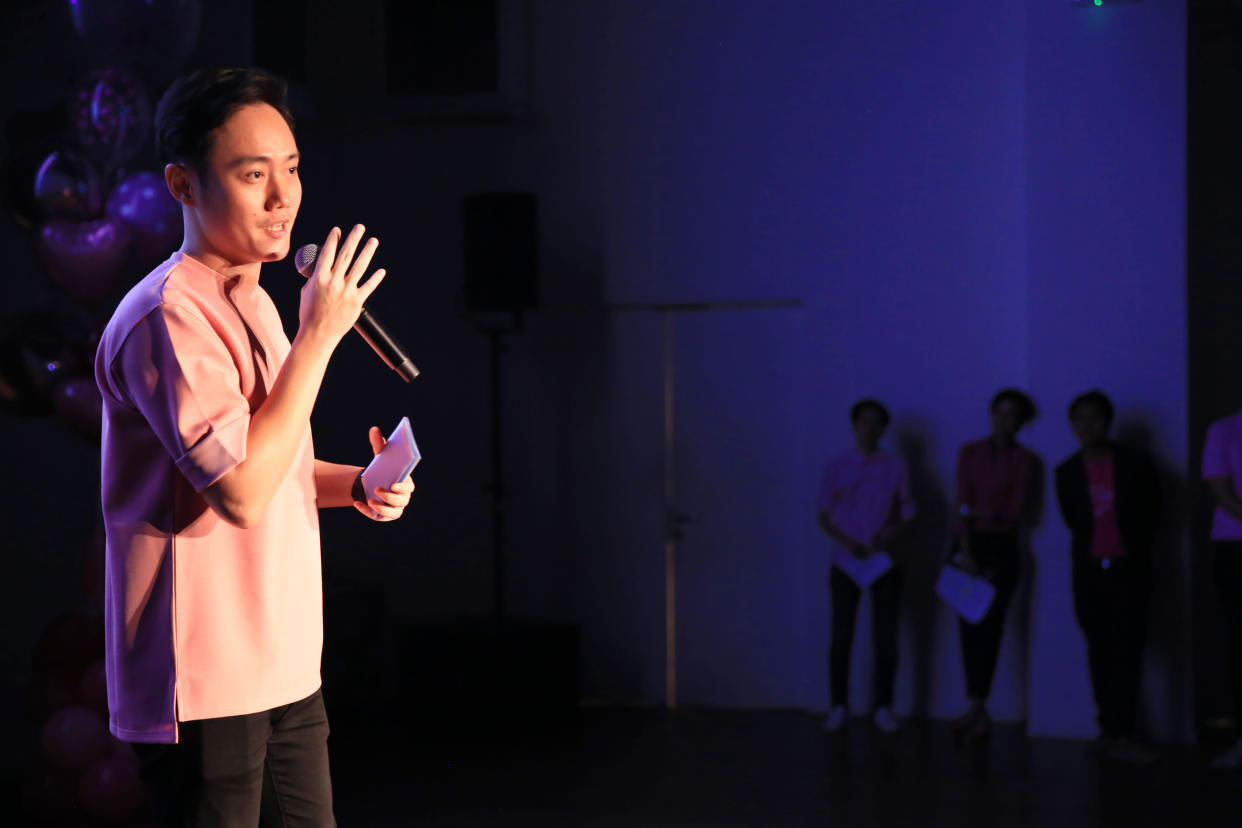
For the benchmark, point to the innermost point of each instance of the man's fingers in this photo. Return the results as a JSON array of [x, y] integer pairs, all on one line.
[[377, 439], [340, 264], [365, 290], [360, 265]]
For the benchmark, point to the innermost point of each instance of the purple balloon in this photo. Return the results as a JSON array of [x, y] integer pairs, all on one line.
[[110, 115], [85, 258], [68, 186], [154, 36], [73, 738], [143, 202]]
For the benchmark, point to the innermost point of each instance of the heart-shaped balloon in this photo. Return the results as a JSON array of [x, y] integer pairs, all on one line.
[[86, 258]]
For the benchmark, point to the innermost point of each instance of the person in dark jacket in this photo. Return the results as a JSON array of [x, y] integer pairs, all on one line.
[[1109, 495]]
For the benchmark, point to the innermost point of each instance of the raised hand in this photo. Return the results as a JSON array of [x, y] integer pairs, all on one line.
[[334, 293]]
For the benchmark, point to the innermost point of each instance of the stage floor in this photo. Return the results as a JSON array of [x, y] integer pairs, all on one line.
[[648, 768]]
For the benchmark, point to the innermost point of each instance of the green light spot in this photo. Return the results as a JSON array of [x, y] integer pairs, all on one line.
[[1099, 2]]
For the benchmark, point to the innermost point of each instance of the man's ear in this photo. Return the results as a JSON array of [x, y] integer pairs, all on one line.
[[181, 183]]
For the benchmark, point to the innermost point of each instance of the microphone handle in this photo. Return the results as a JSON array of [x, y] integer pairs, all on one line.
[[370, 329]]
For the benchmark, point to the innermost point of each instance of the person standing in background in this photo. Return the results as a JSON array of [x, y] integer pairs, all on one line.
[[997, 489], [864, 499], [1109, 496], [1222, 469]]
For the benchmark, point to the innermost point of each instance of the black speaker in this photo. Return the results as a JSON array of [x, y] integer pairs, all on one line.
[[501, 251]]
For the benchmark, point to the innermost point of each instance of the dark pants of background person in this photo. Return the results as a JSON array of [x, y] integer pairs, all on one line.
[[1111, 605], [1228, 565], [885, 595], [998, 556], [261, 769]]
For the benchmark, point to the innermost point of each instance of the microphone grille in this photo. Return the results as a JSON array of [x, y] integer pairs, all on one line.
[[305, 257]]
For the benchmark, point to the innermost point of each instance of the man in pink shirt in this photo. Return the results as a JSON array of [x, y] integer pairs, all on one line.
[[1109, 496], [1222, 469], [210, 485], [864, 498]]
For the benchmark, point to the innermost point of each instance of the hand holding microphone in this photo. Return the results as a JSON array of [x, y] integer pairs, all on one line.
[[333, 292]]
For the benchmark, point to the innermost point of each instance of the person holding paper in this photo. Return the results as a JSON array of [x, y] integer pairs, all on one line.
[[1109, 496], [998, 483], [210, 486], [863, 500]]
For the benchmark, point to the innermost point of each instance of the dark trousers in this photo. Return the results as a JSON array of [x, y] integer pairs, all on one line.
[[885, 596], [1111, 606], [998, 555], [261, 769], [1228, 565]]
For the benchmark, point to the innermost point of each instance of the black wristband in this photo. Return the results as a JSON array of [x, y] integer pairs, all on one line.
[[357, 492]]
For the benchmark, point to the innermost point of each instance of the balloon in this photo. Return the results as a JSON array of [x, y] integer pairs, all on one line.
[[85, 259], [111, 115], [47, 694], [156, 36], [37, 352], [73, 738], [67, 185], [68, 643], [78, 401], [111, 789], [92, 689], [143, 202]]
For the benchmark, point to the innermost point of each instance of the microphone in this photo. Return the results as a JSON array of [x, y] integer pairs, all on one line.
[[367, 326]]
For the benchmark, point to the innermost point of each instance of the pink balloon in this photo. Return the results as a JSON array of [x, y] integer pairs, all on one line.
[[67, 185], [79, 402], [111, 789], [73, 738], [143, 202], [85, 259]]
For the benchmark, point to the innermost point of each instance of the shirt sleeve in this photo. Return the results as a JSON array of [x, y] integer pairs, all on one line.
[[180, 375], [1215, 453]]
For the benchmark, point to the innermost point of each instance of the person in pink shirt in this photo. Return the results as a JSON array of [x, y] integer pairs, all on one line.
[[210, 486], [998, 482], [1109, 497], [863, 500], [1222, 469]]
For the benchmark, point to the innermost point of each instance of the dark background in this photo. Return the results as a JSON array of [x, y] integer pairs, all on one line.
[[791, 205]]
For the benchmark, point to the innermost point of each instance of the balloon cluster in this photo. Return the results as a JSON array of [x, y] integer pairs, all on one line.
[[74, 176], [93, 221], [83, 774]]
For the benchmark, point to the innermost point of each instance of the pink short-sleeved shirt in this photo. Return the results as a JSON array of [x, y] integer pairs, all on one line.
[[1222, 457], [860, 493], [203, 619]]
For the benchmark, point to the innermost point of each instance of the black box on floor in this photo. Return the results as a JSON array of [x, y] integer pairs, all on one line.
[[476, 679]]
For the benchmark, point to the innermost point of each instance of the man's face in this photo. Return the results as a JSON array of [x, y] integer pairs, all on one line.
[[249, 193], [1090, 424], [1006, 418], [869, 427]]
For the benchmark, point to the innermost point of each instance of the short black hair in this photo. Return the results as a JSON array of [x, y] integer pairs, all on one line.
[[1092, 397], [1026, 406], [197, 103], [862, 405]]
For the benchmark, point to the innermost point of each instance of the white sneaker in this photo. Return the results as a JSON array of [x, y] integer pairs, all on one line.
[[836, 718], [885, 720], [1230, 759]]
